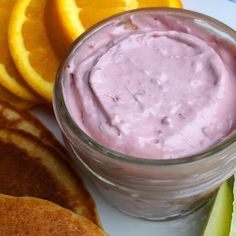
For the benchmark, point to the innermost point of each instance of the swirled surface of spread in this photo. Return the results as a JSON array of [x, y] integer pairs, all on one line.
[[155, 87]]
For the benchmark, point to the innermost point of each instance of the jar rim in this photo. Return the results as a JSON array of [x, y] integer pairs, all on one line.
[[60, 107]]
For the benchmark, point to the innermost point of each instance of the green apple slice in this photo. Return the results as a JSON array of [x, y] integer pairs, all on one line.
[[233, 223], [219, 220]]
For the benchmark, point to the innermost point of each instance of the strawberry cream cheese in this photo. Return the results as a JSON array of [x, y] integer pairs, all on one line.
[[153, 87]]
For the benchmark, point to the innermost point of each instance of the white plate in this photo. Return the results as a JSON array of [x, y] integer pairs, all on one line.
[[116, 223]]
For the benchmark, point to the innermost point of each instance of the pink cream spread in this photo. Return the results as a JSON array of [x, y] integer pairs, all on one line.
[[156, 87]]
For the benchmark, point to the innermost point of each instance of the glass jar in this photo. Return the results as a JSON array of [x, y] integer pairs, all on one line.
[[147, 188]]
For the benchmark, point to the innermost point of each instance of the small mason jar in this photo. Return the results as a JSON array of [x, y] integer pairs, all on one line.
[[147, 188]]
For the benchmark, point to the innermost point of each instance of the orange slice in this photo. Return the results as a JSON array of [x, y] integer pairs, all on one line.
[[67, 19], [160, 3], [30, 47], [9, 76]]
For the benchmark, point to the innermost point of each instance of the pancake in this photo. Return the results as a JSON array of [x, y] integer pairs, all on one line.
[[7, 96], [17, 118], [29, 167], [32, 216]]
